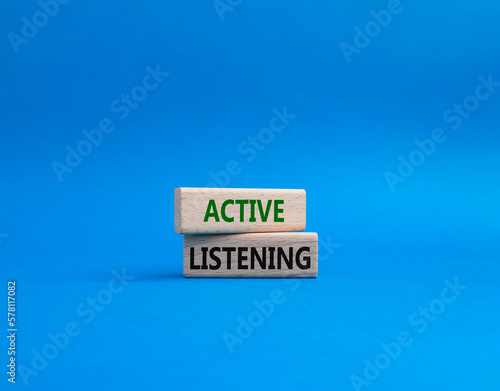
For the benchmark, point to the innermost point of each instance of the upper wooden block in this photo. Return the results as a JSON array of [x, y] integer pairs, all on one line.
[[214, 210]]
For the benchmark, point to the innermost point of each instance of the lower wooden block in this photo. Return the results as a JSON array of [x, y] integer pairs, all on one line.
[[287, 254]]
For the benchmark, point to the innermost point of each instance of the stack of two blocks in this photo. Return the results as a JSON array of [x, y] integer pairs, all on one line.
[[239, 233]]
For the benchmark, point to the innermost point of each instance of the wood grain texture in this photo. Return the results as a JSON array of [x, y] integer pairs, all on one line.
[[284, 254], [192, 204]]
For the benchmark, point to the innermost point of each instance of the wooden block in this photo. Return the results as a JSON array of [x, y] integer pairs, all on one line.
[[206, 210], [284, 254]]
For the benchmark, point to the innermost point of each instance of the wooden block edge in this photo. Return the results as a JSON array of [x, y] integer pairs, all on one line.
[[177, 218]]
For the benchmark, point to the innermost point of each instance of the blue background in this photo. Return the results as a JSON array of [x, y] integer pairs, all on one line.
[[391, 251]]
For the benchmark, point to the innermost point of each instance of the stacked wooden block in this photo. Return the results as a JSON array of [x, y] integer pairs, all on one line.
[[240, 233]]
